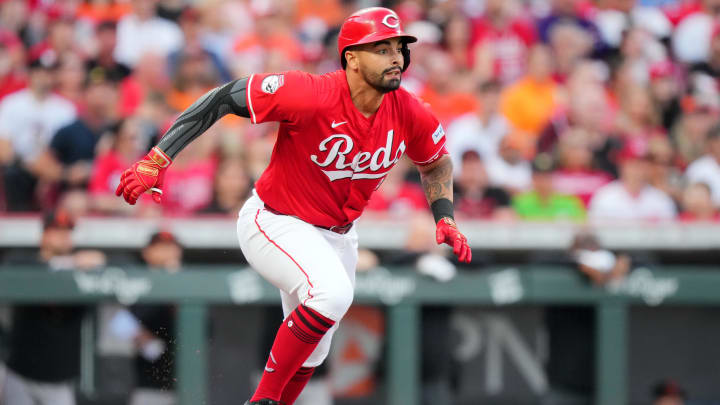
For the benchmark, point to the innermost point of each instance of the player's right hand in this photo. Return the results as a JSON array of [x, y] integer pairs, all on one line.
[[145, 175], [448, 233]]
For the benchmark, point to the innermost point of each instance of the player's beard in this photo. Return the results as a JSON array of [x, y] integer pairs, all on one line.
[[381, 82]]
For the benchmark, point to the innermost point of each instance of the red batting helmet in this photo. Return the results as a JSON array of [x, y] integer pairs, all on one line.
[[371, 25]]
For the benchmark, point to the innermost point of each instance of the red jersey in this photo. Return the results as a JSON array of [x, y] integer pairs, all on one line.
[[510, 46], [329, 158]]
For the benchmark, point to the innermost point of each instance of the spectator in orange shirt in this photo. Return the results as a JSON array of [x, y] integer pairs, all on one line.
[[329, 11], [273, 35], [97, 11], [530, 102], [447, 100]]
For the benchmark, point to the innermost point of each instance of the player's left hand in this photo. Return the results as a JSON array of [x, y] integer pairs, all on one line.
[[143, 176], [447, 232]]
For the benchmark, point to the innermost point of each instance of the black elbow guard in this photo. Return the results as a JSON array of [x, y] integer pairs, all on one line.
[[237, 91]]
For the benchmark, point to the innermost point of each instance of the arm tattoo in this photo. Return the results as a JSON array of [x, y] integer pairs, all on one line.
[[437, 182], [208, 109]]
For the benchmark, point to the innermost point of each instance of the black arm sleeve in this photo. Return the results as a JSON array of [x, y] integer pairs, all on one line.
[[208, 109]]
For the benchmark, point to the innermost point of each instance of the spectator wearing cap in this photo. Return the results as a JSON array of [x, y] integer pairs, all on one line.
[[28, 120], [543, 202], [473, 195], [60, 39], [707, 168], [479, 131], [135, 29], [152, 329], [668, 392], [44, 355], [104, 60], [601, 266], [631, 197]]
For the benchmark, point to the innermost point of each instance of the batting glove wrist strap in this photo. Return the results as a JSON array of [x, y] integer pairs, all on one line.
[[145, 175]]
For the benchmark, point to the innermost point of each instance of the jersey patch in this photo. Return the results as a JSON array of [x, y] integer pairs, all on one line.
[[272, 83], [438, 134]]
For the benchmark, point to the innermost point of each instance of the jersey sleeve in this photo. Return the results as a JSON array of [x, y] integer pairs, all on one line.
[[427, 139], [286, 97]]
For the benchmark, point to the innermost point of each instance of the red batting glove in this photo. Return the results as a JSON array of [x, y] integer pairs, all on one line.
[[144, 175], [447, 232]]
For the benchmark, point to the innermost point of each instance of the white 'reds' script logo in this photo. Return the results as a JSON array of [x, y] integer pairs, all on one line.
[[341, 144]]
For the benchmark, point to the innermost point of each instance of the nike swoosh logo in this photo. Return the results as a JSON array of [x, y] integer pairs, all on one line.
[[335, 125]]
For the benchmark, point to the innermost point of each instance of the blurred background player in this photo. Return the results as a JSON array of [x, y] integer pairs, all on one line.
[[151, 328], [44, 352]]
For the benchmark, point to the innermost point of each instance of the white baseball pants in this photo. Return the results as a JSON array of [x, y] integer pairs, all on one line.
[[310, 265]]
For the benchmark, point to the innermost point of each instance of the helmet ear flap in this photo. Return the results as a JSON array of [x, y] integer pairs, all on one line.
[[406, 56]]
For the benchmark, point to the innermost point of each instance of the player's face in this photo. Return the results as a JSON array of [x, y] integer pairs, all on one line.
[[380, 64]]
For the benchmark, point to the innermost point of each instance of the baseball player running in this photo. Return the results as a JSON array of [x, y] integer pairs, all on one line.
[[340, 133]]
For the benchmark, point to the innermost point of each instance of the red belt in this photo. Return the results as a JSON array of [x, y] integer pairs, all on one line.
[[342, 229]]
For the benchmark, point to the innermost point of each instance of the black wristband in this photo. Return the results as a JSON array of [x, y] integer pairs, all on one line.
[[442, 208]]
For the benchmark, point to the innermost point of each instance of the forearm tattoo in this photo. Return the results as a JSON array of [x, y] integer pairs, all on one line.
[[437, 182], [208, 109]]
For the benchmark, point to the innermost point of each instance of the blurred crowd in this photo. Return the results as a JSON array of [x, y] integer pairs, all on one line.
[[568, 110]]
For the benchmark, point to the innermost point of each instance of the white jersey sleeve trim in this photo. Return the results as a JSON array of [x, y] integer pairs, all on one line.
[[249, 100], [433, 158]]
